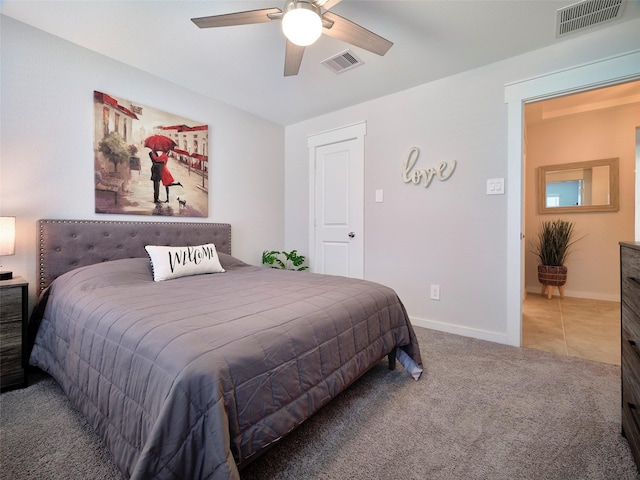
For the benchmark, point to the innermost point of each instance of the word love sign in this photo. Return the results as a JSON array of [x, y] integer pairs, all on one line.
[[442, 171]]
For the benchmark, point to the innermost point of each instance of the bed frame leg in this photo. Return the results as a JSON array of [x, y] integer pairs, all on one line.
[[392, 359]]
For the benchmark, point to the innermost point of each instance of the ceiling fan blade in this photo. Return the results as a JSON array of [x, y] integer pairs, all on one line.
[[326, 4], [238, 18], [292, 59], [352, 33]]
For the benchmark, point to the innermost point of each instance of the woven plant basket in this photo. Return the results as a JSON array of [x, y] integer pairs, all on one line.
[[556, 276]]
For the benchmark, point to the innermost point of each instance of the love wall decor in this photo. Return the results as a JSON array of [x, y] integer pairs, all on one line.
[[442, 171]]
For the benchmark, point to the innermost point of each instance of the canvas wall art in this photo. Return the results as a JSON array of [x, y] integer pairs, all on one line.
[[148, 162]]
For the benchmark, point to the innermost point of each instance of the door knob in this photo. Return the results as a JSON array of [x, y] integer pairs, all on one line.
[[352, 234]]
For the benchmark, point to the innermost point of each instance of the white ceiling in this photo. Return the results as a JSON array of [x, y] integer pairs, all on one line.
[[243, 65]]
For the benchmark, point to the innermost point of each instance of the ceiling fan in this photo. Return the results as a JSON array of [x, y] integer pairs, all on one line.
[[303, 21]]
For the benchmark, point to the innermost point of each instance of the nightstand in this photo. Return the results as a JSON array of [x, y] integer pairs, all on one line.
[[13, 333]]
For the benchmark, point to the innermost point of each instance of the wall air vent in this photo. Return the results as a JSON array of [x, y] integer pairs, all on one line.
[[587, 13], [342, 62]]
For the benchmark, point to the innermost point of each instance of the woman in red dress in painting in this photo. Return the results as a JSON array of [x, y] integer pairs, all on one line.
[[165, 174]]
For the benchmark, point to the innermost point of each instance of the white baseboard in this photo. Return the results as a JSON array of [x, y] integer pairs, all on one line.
[[499, 337], [461, 330]]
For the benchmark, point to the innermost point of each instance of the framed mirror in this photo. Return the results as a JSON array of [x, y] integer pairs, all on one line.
[[579, 187]]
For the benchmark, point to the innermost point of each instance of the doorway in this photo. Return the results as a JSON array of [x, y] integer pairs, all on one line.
[[559, 131], [336, 201], [620, 69]]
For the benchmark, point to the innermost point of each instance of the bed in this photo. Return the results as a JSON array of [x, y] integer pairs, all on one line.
[[194, 377]]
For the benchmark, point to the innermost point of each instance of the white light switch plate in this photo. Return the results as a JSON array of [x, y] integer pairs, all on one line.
[[379, 196], [495, 186]]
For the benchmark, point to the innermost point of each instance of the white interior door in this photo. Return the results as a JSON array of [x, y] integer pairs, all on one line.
[[337, 201]]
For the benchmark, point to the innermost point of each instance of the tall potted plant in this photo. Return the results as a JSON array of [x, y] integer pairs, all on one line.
[[552, 246]]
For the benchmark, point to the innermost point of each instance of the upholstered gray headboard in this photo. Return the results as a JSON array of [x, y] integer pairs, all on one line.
[[67, 244]]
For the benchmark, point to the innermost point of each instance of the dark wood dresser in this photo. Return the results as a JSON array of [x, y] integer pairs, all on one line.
[[630, 340], [13, 330]]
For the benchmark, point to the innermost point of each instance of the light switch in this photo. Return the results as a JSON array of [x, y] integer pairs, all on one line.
[[495, 186], [379, 196]]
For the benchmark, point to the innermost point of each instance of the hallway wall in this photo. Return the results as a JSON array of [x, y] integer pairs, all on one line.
[[594, 265]]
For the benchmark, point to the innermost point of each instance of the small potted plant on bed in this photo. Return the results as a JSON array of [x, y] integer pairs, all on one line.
[[284, 260], [552, 246]]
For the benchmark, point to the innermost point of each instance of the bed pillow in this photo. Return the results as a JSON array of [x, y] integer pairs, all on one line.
[[175, 262]]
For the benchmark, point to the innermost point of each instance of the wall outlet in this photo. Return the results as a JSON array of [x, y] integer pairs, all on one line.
[[435, 292]]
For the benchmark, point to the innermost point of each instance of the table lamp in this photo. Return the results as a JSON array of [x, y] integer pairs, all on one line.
[[7, 242]]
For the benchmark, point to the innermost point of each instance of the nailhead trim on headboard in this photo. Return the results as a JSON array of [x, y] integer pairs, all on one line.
[[67, 244]]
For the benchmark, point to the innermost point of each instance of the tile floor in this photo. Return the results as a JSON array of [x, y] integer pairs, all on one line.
[[576, 327]]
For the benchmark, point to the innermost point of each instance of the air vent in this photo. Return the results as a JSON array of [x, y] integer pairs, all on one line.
[[587, 13], [342, 62]]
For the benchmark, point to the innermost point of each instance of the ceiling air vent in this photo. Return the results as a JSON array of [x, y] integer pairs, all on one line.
[[587, 13], [342, 62]]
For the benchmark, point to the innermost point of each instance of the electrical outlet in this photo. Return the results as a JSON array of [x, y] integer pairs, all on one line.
[[435, 292]]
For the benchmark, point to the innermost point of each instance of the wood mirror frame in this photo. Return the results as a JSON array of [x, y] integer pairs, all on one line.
[[614, 198]]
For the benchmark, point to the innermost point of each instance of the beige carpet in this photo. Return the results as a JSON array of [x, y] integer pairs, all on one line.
[[481, 411]]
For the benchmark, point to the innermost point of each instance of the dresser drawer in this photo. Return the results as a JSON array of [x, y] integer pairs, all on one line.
[[13, 317], [11, 304], [631, 371], [11, 352], [631, 425], [630, 400], [630, 326], [630, 278]]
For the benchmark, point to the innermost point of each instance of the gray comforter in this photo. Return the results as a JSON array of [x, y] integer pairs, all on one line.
[[189, 378]]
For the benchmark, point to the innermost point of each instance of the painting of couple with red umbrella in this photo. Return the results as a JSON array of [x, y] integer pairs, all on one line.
[[148, 162]]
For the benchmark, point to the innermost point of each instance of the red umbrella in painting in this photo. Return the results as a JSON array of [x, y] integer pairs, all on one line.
[[159, 143]]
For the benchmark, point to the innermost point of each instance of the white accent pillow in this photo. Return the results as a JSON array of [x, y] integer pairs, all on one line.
[[175, 262]]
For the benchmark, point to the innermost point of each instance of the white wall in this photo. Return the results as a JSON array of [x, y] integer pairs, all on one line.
[[451, 234], [47, 144]]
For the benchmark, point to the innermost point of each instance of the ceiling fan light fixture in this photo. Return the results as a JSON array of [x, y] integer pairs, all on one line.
[[301, 23]]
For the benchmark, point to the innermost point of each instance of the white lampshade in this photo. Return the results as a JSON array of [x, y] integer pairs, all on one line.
[[7, 236], [301, 23]]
